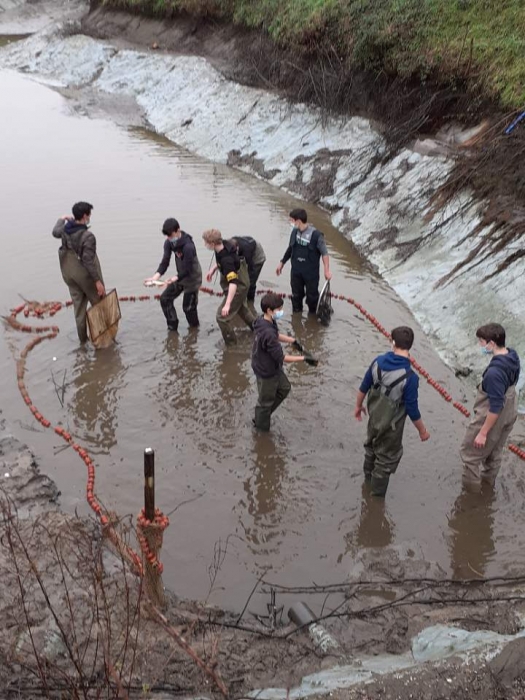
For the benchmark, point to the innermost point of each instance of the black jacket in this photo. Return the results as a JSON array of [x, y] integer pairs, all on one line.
[[188, 267], [267, 351], [229, 263]]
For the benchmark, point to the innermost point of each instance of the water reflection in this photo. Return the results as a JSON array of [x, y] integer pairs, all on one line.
[[264, 490], [472, 540], [97, 383]]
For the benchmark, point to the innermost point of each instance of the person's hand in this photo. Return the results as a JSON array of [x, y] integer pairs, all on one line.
[[359, 412], [328, 275], [480, 441], [424, 435], [209, 276], [279, 269], [171, 280], [225, 310], [100, 289], [149, 280]]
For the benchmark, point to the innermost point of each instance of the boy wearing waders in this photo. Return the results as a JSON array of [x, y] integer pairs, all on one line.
[[268, 358], [234, 282], [79, 263], [305, 250], [188, 279], [392, 388], [253, 252], [495, 410]]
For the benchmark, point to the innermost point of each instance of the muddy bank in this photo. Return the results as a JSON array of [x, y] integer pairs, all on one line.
[[76, 621]]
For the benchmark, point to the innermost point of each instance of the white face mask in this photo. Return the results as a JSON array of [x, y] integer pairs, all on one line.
[[292, 225], [278, 314]]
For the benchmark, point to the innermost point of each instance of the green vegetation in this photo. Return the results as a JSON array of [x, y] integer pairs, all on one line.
[[482, 41]]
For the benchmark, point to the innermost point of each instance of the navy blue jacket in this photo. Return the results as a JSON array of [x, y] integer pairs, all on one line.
[[267, 351], [502, 373], [389, 362]]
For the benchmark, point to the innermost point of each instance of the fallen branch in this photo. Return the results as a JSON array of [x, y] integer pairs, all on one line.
[[163, 621]]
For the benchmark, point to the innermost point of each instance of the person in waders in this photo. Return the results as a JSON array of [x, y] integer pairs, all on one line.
[[305, 250], [234, 282], [392, 389], [268, 358], [188, 279], [79, 263], [495, 410], [252, 251]]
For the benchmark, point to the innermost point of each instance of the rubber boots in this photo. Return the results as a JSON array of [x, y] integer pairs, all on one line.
[[379, 485]]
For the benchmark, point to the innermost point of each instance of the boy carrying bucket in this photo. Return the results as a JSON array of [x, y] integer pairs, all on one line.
[[392, 389]]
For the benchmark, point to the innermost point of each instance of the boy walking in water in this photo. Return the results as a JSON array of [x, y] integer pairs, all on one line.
[[268, 358], [495, 410], [392, 389]]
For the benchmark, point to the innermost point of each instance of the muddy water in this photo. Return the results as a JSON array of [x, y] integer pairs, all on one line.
[[289, 503]]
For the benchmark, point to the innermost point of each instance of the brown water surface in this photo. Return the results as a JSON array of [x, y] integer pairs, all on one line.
[[289, 502]]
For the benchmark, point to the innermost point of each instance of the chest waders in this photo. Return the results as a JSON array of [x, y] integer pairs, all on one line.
[[189, 287], [386, 422], [304, 277], [238, 307], [81, 287], [483, 465]]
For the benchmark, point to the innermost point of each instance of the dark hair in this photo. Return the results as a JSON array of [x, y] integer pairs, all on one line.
[[492, 332], [403, 337], [299, 214], [80, 209], [169, 226], [271, 301]]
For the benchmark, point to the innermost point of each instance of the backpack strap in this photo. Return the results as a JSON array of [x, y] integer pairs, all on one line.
[[400, 379]]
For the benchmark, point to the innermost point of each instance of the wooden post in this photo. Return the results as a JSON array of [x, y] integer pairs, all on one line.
[[152, 533], [149, 483]]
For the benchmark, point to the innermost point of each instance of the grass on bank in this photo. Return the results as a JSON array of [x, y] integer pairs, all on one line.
[[480, 40]]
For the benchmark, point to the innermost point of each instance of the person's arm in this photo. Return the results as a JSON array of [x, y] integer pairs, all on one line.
[[287, 255], [165, 262], [321, 247], [494, 386], [88, 256], [360, 410], [232, 289], [410, 398], [286, 338], [211, 272], [58, 228], [294, 358]]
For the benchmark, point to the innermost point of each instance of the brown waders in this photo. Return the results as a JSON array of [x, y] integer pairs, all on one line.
[[384, 439], [483, 465], [272, 392], [238, 307], [81, 287]]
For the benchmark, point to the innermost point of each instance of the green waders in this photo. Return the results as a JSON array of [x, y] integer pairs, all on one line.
[[81, 287], [483, 465], [239, 306], [272, 392], [384, 440]]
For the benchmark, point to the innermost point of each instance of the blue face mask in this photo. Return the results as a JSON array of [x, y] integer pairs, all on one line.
[[278, 314], [486, 350]]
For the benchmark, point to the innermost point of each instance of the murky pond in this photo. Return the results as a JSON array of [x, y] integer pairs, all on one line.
[[290, 502]]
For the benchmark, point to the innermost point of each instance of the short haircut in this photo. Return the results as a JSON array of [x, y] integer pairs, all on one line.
[[299, 214], [80, 209], [169, 226], [403, 337], [271, 301], [212, 236], [492, 332]]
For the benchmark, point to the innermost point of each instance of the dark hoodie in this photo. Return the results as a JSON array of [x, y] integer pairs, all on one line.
[[79, 239], [188, 267], [502, 373], [267, 351]]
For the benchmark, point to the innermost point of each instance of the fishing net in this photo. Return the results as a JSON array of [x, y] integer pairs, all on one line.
[[103, 320], [324, 306]]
